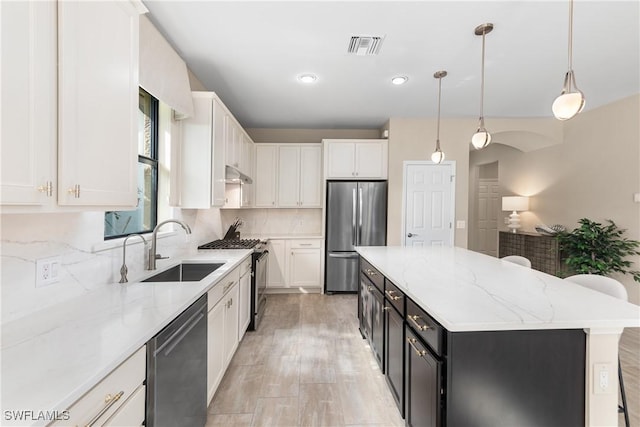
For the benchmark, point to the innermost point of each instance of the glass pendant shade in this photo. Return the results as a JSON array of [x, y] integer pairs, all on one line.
[[481, 139], [437, 156], [569, 103]]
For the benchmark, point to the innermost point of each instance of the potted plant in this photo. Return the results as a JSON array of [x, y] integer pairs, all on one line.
[[594, 248]]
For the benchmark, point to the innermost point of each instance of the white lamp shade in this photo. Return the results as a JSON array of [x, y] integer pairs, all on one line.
[[515, 203], [568, 105], [437, 156], [480, 139]]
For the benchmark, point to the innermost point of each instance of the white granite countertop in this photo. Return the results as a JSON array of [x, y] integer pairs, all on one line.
[[51, 358], [468, 291]]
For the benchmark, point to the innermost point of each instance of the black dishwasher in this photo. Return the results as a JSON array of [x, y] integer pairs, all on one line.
[[177, 371]]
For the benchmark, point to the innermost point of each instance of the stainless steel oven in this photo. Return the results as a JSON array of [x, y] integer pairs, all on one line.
[[259, 271]]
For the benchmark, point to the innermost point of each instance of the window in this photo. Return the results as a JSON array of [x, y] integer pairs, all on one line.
[[145, 217]]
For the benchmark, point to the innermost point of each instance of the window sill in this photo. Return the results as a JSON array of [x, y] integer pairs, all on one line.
[[117, 243]]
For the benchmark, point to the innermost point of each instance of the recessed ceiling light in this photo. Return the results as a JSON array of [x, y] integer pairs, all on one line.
[[307, 78], [399, 80]]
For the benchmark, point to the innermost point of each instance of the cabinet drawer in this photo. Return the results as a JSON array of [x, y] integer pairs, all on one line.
[[425, 326], [131, 413], [305, 243], [374, 275], [245, 266], [394, 295], [108, 395], [225, 284]]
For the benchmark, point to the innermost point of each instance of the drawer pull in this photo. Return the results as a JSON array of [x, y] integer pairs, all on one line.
[[227, 286], [414, 320], [419, 352], [369, 288], [109, 400], [305, 244], [370, 272], [392, 296]]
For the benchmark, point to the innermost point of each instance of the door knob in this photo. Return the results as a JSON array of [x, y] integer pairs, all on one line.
[[411, 235]]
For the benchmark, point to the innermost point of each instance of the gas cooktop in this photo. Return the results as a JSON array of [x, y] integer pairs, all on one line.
[[231, 244]]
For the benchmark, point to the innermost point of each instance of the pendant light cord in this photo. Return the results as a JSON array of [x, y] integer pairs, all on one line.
[[570, 54], [438, 126], [482, 85]]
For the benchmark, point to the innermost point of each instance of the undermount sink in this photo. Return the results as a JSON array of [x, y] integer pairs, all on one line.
[[185, 272]]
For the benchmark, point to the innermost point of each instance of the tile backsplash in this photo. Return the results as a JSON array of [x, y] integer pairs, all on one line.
[[275, 222], [86, 261]]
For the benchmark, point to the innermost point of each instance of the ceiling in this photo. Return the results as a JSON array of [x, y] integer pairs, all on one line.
[[250, 54]]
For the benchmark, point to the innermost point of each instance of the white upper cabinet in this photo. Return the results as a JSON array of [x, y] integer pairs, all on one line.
[[266, 175], [299, 176], [28, 111], [356, 159], [311, 176], [233, 146], [202, 170], [97, 103], [288, 176], [247, 167]]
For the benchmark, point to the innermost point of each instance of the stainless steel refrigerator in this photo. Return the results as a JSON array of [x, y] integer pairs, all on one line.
[[356, 216]]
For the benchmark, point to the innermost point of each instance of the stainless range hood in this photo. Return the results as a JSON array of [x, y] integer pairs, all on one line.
[[234, 176]]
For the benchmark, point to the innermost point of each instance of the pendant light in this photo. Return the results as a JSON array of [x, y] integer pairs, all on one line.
[[482, 138], [571, 99], [438, 156]]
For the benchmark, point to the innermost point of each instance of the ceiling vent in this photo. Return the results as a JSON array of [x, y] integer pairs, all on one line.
[[365, 45]]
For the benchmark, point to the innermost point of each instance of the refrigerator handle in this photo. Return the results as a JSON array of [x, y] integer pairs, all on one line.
[[353, 225], [360, 215]]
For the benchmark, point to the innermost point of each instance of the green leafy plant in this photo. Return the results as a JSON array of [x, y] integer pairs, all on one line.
[[594, 248]]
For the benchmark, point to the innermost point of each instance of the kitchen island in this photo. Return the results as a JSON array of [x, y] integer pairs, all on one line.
[[465, 294]]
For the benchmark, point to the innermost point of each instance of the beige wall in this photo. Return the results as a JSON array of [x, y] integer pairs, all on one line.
[[304, 136], [195, 82], [414, 139], [593, 173]]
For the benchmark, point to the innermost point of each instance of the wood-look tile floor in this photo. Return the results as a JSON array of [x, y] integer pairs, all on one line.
[[307, 365]]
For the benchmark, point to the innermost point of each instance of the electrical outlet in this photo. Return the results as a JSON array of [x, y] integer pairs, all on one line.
[[601, 375], [47, 271], [636, 197], [506, 220]]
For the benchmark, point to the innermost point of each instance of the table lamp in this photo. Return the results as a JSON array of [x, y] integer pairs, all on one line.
[[515, 204]]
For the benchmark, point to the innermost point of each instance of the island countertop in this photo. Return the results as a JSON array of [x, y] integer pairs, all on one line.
[[469, 291]]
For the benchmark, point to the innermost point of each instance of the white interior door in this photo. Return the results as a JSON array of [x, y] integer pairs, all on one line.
[[487, 216], [428, 204]]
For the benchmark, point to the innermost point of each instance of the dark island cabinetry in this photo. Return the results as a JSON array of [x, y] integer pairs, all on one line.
[[473, 378]]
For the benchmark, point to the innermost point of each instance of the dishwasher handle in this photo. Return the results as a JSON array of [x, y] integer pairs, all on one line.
[[179, 335]]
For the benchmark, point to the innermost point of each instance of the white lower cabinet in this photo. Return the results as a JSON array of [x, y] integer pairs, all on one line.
[[295, 263], [222, 328], [215, 351], [244, 298], [277, 264], [304, 268], [131, 413], [117, 400]]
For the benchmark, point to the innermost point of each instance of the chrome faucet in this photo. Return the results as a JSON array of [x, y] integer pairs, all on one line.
[[124, 269], [152, 251]]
